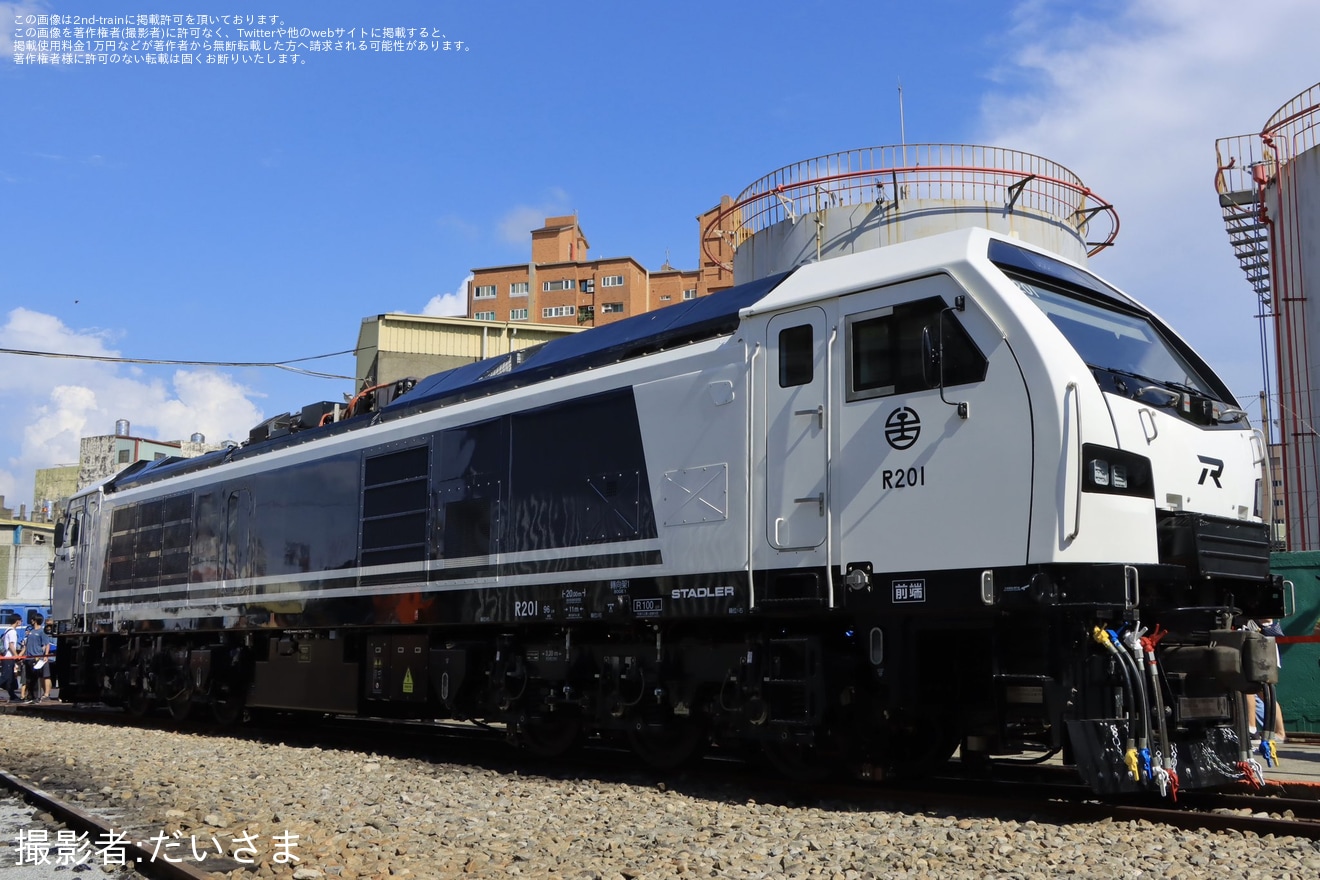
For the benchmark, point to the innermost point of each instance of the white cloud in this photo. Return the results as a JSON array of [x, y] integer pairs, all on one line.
[[516, 225], [207, 402], [449, 304], [52, 403], [28, 330], [59, 424], [1133, 102], [11, 13]]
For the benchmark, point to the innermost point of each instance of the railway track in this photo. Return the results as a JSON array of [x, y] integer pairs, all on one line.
[[1260, 814], [1036, 793], [139, 855]]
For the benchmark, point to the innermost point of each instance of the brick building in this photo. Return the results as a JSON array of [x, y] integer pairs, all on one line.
[[563, 285]]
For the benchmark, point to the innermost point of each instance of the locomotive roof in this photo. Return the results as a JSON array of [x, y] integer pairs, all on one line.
[[679, 324]]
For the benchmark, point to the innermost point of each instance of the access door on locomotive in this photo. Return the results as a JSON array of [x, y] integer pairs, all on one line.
[[77, 556], [797, 435]]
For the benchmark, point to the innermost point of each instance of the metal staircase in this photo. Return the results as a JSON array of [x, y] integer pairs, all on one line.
[[1242, 173], [1249, 236]]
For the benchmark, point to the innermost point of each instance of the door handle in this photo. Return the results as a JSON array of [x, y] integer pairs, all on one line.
[[818, 412], [818, 498]]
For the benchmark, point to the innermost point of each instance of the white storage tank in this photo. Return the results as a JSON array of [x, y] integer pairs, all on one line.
[[848, 202]]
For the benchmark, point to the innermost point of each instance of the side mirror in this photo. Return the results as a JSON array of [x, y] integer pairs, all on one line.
[[59, 534]]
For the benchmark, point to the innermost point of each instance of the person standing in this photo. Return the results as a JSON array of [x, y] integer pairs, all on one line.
[[9, 649], [1270, 627], [37, 649]]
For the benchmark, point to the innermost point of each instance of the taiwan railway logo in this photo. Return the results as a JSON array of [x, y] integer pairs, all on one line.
[[903, 427]]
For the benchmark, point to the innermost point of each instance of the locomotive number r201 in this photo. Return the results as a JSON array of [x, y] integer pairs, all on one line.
[[903, 478], [524, 608]]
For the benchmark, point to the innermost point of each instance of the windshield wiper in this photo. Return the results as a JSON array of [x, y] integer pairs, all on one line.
[[1161, 393], [1165, 393], [1165, 383]]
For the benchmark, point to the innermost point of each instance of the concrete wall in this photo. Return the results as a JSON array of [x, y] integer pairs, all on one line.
[[53, 485], [25, 573], [395, 346]]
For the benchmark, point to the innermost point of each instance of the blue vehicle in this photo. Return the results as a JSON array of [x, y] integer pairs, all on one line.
[[27, 612]]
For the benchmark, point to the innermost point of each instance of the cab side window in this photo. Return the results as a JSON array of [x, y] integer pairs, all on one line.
[[887, 350], [796, 352]]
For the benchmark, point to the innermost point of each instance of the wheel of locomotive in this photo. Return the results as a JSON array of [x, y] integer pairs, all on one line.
[[180, 704], [138, 702], [550, 735], [130, 689], [670, 744], [921, 745], [227, 705]]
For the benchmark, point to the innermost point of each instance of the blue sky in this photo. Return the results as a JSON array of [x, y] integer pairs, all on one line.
[[258, 213]]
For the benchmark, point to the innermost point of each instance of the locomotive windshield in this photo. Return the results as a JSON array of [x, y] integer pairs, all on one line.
[[1116, 342], [1125, 348]]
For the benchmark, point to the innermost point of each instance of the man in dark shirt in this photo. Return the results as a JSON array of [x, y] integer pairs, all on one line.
[[37, 648]]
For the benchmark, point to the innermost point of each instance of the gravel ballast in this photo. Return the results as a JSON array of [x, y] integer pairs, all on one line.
[[359, 815]]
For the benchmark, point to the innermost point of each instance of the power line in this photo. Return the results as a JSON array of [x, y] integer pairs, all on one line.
[[279, 365]]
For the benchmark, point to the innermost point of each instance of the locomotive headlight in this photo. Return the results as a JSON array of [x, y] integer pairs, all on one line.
[[1116, 472], [1118, 476], [1111, 475]]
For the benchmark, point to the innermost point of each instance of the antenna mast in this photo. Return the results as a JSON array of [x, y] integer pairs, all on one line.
[[902, 128]]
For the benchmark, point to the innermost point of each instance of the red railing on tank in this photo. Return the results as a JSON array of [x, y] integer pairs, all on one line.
[[889, 175], [1296, 123]]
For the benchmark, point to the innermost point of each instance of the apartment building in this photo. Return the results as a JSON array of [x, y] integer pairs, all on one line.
[[563, 285]]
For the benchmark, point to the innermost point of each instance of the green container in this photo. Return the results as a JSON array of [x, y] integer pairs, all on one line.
[[1299, 677]]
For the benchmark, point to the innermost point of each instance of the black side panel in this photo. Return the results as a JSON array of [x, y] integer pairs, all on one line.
[[578, 475], [394, 506], [314, 675], [306, 516], [1212, 546], [149, 543], [470, 473], [176, 540]]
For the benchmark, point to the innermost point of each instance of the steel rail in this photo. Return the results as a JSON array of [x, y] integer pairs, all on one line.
[[140, 856]]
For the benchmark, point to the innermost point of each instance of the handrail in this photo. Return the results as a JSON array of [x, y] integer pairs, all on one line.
[[829, 464], [752, 522], [1296, 122], [888, 175], [1072, 392]]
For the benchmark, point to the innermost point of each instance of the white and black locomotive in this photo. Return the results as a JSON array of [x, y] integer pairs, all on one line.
[[953, 492]]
